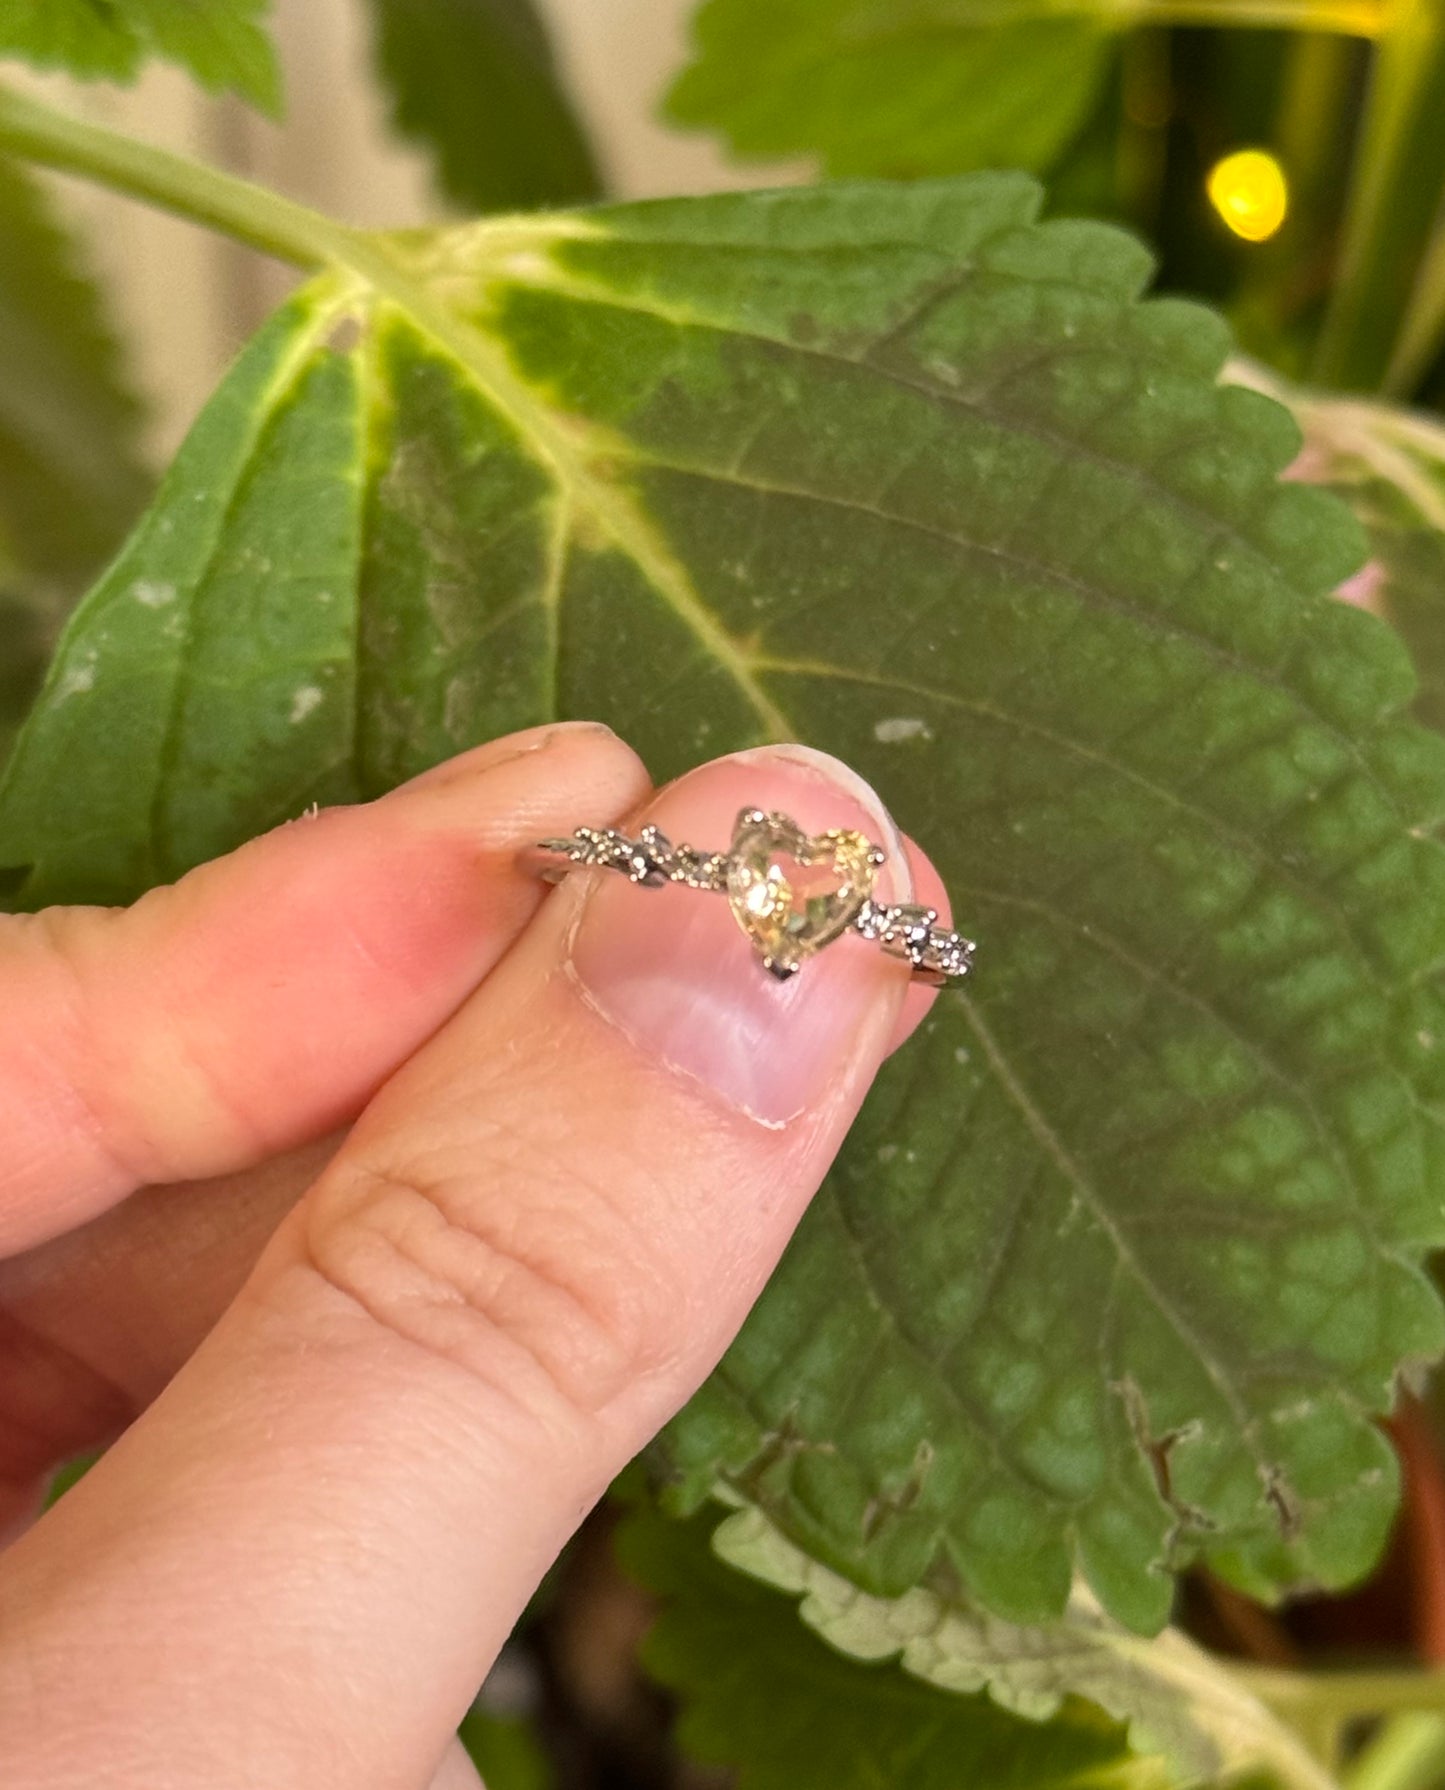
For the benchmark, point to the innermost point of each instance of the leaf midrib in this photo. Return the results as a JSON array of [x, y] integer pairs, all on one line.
[[585, 291], [612, 509], [582, 291]]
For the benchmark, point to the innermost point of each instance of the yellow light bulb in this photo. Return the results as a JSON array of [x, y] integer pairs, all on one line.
[[1249, 191]]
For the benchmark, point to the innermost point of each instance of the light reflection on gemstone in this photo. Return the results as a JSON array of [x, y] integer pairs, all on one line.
[[792, 892], [761, 899]]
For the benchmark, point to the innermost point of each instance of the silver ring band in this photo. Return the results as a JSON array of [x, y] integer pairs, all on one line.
[[763, 898]]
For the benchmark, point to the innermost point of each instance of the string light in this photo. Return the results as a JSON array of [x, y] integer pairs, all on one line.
[[1249, 191]]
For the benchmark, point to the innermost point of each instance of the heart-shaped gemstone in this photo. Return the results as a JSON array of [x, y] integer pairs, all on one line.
[[791, 891]]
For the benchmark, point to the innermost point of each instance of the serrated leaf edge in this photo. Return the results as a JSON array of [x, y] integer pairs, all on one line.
[[1030, 1671]]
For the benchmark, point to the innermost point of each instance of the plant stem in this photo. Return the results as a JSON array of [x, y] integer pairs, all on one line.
[[1350, 18], [1407, 1754], [1315, 96], [1345, 1694], [1394, 200], [250, 214], [1285, 279], [1423, 330], [1146, 78]]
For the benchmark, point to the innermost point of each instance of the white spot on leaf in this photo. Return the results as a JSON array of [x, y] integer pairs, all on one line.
[[153, 593], [901, 727], [305, 702]]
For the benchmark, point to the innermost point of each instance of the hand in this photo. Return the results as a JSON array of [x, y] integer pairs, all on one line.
[[374, 1377]]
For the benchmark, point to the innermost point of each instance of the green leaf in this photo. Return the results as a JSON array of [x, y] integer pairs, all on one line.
[[231, 609], [1389, 466], [1175, 1701], [505, 1751], [71, 481], [27, 641], [475, 81], [220, 42], [761, 1694], [913, 87], [1121, 1260], [70, 1474]]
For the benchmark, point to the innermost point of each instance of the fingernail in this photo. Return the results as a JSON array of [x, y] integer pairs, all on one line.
[[672, 968], [499, 752]]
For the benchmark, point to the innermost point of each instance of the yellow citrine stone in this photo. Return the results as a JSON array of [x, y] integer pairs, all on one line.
[[793, 892]]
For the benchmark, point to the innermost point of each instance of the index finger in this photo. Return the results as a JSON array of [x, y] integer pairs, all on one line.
[[261, 1000]]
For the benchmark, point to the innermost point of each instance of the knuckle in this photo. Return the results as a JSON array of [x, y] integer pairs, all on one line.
[[533, 1282], [52, 954], [115, 1035]]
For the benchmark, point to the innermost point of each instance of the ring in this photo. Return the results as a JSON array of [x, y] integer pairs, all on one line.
[[788, 916]]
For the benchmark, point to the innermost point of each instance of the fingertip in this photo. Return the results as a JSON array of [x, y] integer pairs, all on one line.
[[594, 735], [682, 977], [457, 1771]]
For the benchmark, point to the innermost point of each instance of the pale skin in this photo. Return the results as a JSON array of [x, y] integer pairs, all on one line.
[[383, 1205]]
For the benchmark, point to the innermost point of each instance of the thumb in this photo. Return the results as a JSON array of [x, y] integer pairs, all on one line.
[[537, 1241]]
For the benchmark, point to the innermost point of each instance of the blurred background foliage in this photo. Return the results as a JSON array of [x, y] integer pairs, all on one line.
[[1286, 158]]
